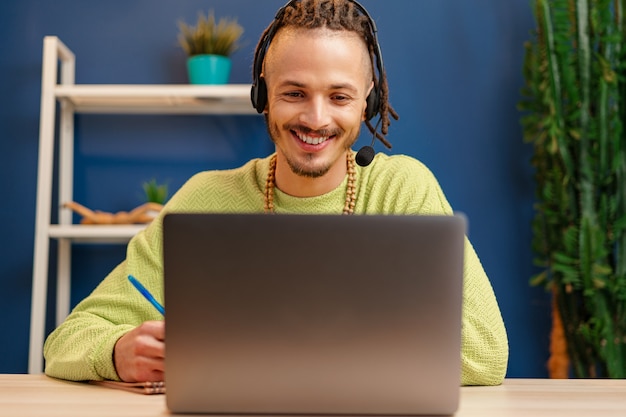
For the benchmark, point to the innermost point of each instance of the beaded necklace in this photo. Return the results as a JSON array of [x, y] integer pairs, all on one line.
[[270, 183]]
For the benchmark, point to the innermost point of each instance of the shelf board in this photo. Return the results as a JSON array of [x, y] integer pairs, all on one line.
[[95, 233], [157, 99]]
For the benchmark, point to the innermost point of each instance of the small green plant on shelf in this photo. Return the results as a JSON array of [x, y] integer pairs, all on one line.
[[209, 36], [155, 192]]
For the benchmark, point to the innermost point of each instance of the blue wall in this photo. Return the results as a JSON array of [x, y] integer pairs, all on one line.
[[454, 69]]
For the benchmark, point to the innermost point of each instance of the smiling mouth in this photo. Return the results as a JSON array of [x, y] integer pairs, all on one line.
[[312, 139]]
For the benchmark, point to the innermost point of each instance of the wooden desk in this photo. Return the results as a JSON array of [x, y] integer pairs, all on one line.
[[40, 396]]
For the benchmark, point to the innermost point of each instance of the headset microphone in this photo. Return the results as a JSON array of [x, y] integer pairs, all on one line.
[[365, 155]]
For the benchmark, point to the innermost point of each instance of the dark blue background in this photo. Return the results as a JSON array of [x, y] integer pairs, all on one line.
[[454, 70]]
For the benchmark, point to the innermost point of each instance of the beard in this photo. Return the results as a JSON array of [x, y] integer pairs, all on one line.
[[306, 167]]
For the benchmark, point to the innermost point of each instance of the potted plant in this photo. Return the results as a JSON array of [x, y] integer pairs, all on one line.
[[155, 192], [209, 45], [155, 196], [575, 101]]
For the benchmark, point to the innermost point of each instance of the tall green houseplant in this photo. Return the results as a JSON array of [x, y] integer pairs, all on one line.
[[574, 108]]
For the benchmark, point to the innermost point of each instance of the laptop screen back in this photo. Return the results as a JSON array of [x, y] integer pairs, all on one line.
[[314, 314]]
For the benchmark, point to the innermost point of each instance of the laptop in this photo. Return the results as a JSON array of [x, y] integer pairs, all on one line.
[[313, 314]]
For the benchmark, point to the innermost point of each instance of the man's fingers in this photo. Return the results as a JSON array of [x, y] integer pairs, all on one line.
[[139, 354], [154, 328]]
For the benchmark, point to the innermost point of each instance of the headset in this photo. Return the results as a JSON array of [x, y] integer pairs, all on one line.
[[258, 92]]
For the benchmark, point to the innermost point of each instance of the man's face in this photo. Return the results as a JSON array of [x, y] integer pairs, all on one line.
[[317, 82]]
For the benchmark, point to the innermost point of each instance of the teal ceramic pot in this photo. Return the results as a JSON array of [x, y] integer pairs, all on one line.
[[208, 69]]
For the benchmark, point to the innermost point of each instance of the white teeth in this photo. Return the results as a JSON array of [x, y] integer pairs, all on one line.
[[311, 140]]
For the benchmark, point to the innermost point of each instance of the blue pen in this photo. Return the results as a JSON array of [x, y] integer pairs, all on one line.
[[146, 294]]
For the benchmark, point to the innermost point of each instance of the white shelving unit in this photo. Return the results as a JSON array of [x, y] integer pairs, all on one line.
[[105, 99]]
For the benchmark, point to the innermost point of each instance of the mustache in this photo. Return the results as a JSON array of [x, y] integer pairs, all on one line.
[[315, 132]]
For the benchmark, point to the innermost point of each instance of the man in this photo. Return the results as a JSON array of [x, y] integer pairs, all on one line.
[[318, 75]]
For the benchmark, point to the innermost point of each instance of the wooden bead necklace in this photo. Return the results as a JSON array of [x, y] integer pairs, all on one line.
[[348, 208]]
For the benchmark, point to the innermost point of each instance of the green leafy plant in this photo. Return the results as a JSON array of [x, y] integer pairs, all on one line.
[[155, 192], [574, 110], [210, 36]]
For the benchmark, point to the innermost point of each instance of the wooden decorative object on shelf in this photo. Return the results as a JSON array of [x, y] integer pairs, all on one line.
[[144, 213]]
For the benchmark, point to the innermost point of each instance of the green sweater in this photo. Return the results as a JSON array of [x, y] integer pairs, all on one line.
[[81, 348]]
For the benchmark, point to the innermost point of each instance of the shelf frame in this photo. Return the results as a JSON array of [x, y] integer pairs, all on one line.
[[58, 85]]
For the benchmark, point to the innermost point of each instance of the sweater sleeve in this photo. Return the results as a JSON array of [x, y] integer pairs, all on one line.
[[405, 185], [484, 342], [81, 348]]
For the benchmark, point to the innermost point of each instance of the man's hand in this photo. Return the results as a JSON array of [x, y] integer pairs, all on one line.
[[139, 355]]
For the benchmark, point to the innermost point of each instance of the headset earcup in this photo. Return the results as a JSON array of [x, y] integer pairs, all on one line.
[[258, 95], [372, 105]]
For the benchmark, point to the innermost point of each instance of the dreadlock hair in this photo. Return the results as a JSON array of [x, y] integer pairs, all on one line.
[[336, 15]]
